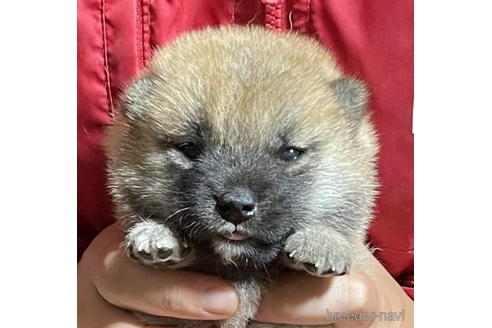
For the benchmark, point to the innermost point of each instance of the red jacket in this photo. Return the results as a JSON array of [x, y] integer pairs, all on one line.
[[373, 40]]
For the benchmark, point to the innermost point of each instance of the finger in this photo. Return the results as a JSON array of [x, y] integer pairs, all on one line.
[[94, 311], [311, 300], [178, 294]]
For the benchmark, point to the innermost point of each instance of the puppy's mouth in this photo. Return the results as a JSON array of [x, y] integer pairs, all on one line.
[[235, 235], [232, 232]]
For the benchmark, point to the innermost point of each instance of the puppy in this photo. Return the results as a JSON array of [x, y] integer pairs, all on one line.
[[241, 151]]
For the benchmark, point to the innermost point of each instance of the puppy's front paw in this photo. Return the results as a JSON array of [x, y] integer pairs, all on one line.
[[318, 251], [154, 244]]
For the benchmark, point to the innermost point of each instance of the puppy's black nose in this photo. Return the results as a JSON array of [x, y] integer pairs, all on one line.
[[237, 205]]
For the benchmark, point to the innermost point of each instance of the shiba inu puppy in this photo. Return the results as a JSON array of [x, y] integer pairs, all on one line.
[[241, 151]]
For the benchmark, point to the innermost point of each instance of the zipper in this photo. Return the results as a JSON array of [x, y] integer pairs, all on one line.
[[274, 14], [143, 32], [106, 57]]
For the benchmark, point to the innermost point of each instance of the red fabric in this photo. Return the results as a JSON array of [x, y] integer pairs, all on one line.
[[372, 39]]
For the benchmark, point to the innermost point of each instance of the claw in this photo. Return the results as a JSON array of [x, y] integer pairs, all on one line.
[[311, 268], [164, 253], [314, 270], [145, 255], [185, 251]]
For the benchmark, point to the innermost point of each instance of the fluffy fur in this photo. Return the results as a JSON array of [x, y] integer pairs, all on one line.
[[218, 109]]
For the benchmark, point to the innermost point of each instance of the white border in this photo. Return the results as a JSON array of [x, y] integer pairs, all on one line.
[[453, 182], [453, 162], [38, 163]]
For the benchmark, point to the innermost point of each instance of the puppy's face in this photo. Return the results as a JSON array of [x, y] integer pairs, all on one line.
[[236, 142]]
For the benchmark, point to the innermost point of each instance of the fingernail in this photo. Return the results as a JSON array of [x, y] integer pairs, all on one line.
[[220, 301]]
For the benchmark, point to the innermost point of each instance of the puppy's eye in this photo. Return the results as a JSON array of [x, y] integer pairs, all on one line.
[[189, 150], [290, 154]]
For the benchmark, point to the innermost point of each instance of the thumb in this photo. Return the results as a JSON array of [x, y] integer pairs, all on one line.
[[178, 294]]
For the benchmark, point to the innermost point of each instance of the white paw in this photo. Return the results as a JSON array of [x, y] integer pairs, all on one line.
[[317, 256], [154, 244]]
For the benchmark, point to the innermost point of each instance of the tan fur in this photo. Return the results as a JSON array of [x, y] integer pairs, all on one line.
[[294, 73], [207, 76]]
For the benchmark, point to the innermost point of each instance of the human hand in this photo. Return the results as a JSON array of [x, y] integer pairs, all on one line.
[[109, 282], [299, 298]]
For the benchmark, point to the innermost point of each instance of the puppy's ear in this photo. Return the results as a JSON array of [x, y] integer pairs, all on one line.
[[136, 96], [352, 96]]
